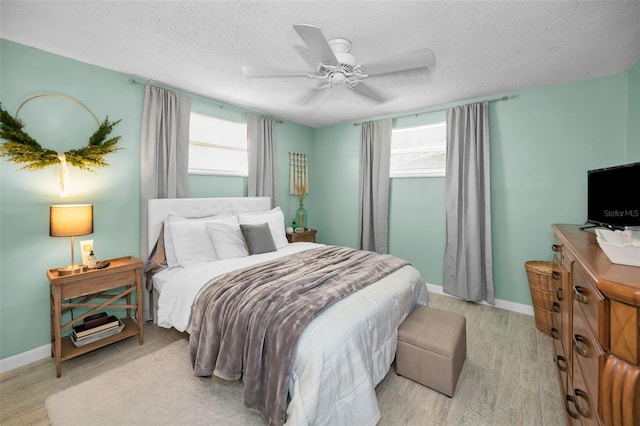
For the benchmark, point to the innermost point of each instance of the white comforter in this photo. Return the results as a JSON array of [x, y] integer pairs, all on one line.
[[343, 353]]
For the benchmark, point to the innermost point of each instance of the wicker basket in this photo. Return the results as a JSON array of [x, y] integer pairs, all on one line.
[[542, 292]]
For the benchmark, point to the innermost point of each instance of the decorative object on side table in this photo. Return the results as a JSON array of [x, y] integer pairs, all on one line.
[[299, 185], [81, 336], [86, 247], [71, 220], [301, 213]]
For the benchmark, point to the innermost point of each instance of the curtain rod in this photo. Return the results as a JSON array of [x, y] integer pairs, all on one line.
[[144, 81], [504, 98]]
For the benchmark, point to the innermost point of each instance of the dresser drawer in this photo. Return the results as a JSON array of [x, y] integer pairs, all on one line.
[[562, 364], [585, 401], [588, 355], [593, 305]]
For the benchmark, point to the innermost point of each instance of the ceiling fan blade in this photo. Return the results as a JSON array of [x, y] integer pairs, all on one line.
[[308, 57], [261, 72], [317, 43], [367, 91], [423, 58]]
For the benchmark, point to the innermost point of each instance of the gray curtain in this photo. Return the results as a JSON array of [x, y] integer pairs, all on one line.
[[164, 149], [467, 268], [373, 214], [261, 141]]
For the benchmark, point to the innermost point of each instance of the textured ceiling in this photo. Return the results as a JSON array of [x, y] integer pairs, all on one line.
[[482, 48]]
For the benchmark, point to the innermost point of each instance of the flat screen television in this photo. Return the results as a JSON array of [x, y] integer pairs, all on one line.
[[613, 196]]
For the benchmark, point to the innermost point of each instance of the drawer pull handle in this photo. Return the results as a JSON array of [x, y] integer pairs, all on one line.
[[580, 294], [567, 403], [581, 345], [583, 410], [559, 293], [556, 247], [561, 359], [554, 333], [555, 275], [555, 307]]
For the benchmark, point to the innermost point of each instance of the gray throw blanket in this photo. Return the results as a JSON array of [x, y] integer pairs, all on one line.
[[246, 323]]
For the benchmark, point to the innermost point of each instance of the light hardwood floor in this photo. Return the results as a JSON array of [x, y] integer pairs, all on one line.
[[508, 379]]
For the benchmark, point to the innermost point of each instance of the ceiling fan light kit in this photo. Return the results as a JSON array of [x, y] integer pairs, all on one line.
[[336, 64]]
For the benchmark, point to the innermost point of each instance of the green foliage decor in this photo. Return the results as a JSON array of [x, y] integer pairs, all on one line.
[[19, 147]]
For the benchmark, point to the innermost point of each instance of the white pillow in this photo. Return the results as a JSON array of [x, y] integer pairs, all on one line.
[[274, 218], [191, 242], [227, 239], [169, 250]]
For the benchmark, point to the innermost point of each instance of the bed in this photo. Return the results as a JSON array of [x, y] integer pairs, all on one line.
[[340, 356]]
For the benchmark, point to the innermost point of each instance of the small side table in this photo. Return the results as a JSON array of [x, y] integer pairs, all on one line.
[[124, 274], [306, 236]]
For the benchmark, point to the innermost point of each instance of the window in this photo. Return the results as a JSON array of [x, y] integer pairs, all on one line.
[[419, 151], [217, 147]]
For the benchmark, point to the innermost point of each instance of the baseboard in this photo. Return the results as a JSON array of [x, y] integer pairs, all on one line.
[[42, 352], [24, 358], [502, 304]]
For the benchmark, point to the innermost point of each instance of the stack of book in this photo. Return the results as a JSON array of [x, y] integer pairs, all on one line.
[[95, 327]]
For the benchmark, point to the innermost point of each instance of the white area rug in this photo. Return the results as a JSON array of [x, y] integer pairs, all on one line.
[[156, 389]]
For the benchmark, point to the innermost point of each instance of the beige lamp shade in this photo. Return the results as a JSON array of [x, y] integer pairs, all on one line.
[[71, 220]]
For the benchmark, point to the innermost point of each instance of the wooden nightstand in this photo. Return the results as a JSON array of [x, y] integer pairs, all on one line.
[[308, 236], [123, 274]]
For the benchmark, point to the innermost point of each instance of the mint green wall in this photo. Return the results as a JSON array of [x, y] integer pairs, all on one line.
[[542, 144], [26, 250], [336, 158], [202, 186], [633, 113], [416, 224]]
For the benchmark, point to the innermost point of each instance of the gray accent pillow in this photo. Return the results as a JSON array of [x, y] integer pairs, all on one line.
[[258, 238]]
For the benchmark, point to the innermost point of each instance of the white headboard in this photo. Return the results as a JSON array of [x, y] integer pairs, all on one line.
[[160, 208]]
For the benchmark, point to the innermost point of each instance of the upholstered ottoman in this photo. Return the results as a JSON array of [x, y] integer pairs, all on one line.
[[432, 348]]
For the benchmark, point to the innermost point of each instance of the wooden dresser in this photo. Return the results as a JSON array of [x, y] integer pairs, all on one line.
[[596, 331]]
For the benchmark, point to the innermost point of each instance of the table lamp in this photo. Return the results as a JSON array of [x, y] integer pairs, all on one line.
[[71, 220]]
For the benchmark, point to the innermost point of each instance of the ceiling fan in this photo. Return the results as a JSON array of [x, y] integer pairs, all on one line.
[[336, 65]]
